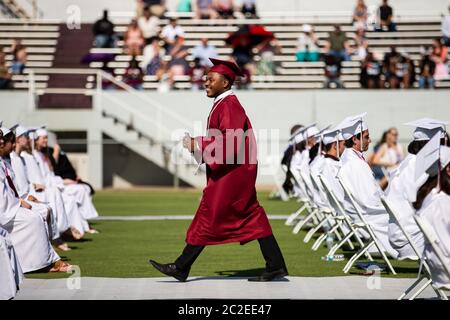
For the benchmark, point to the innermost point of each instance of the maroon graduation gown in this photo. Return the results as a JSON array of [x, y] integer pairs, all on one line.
[[229, 210]]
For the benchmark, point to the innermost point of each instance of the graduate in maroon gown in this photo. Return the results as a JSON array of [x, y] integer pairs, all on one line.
[[229, 210]]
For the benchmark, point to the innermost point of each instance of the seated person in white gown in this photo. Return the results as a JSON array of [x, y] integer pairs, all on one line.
[[27, 229], [433, 204], [80, 191], [358, 176], [397, 191], [11, 275]]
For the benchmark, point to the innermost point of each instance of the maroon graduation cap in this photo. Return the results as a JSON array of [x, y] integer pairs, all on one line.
[[226, 68]]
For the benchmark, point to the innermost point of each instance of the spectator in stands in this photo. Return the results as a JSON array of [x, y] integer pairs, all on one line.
[[427, 67], [19, 53], [103, 30], [178, 65], [204, 51], [244, 82], [152, 57], [439, 56], [133, 74], [266, 51], [370, 72], [149, 24], [5, 75], [410, 76], [157, 7], [385, 18], [337, 44], [307, 45], [360, 15], [332, 71], [204, 9], [197, 73], [394, 68], [170, 32], [225, 8], [243, 49], [388, 155], [248, 9], [361, 43], [184, 6], [445, 28], [134, 39]]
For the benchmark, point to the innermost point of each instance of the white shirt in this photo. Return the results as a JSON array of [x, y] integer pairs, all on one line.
[[204, 53], [170, 32], [21, 175], [149, 27]]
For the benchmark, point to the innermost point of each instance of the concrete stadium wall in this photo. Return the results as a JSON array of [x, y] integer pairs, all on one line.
[[269, 110], [91, 10]]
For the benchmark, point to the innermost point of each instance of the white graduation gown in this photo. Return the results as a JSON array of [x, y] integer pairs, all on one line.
[[316, 167], [64, 203], [436, 210], [20, 179], [358, 176], [11, 275], [80, 192], [26, 228], [296, 162], [396, 194]]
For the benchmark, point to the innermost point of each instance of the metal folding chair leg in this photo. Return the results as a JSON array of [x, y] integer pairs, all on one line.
[[312, 231], [411, 287], [301, 223], [356, 256], [290, 220], [423, 287]]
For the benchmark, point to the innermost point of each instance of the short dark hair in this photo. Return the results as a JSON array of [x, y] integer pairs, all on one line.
[[416, 145], [349, 142], [328, 147], [10, 137]]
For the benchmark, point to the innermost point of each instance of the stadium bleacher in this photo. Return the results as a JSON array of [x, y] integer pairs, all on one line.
[[41, 38]]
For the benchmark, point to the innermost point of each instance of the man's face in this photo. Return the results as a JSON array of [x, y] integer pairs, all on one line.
[[6, 148], [366, 140], [2, 142], [311, 142], [215, 84], [42, 142]]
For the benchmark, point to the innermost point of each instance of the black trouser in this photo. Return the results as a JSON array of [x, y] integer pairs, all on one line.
[[269, 249]]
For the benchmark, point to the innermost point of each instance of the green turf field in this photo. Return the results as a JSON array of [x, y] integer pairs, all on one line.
[[123, 248]]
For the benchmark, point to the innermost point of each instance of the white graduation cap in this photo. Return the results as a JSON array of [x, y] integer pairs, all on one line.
[[41, 132], [353, 125], [332, 135], [20, 130], [426, 128], [298, 136], [426, 163], [6, 131], [311, 132]]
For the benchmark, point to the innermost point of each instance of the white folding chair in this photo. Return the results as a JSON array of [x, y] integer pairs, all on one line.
[[308, 204], [367, 227], [328, 216], [424, 270], [305, 204], [433, 240], [343, 221]]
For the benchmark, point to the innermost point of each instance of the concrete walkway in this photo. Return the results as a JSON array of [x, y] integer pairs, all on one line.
[[349, 287]]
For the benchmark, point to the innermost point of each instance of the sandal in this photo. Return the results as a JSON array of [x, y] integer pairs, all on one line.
[[60, 266]]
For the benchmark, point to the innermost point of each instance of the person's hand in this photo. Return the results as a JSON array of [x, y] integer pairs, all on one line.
[[38, 187], [57, 147], [188, 142], [32, 198], [25, 204]]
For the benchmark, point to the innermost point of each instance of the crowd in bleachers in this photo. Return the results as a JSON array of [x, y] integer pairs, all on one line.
[[19, 53], [43, 204], [398, 209]]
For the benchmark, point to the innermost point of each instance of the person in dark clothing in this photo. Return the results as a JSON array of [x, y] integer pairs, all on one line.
[[103, 30], [385, 15], [288, 187], [63, 167]]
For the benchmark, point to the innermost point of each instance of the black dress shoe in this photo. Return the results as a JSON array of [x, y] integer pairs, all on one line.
[[170, 270], [269, 276]]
